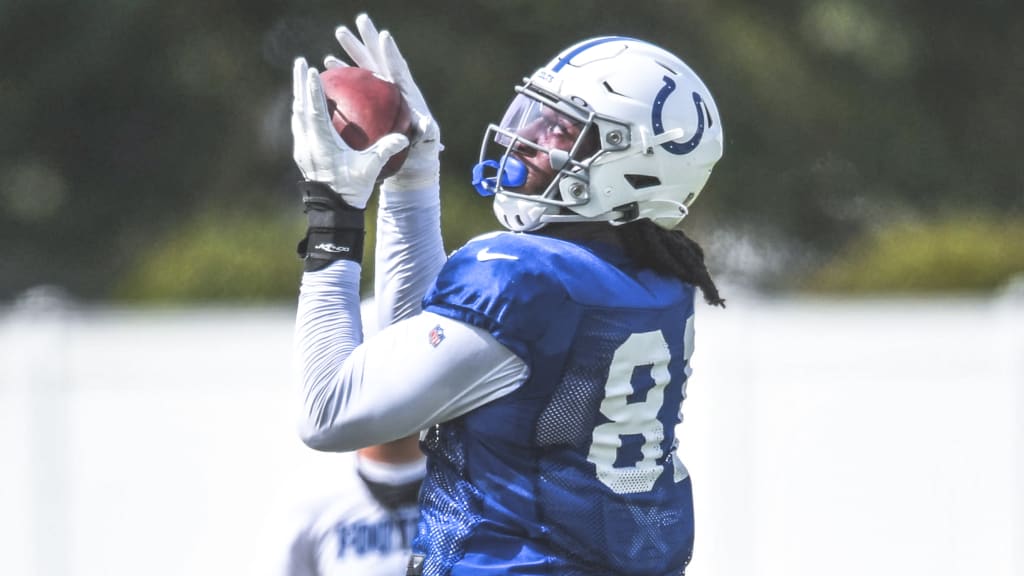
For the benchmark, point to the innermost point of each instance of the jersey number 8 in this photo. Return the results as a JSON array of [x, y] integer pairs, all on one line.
[[633, 414]]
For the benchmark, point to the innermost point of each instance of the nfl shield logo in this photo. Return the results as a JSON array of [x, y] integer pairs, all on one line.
[[436, 335]]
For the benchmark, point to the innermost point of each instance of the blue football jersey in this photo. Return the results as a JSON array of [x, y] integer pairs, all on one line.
[[575, 472]]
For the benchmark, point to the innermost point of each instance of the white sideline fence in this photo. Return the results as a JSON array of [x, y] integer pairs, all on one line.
[[824, 437]]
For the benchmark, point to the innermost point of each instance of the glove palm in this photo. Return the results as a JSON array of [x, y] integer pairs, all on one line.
[[320, 152], [377, 52]]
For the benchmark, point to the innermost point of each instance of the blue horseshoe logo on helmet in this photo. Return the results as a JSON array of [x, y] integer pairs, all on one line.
[[678, 148]]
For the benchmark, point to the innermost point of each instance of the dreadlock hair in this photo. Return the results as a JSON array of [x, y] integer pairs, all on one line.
[[669, 252]]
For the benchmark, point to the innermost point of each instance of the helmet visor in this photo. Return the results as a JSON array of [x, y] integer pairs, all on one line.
[[531, 124], [537, 144]]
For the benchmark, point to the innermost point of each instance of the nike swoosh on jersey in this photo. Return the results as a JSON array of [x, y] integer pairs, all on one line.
[[486, 255]]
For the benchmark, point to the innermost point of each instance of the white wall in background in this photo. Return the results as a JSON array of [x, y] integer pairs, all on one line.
[[824, 438]]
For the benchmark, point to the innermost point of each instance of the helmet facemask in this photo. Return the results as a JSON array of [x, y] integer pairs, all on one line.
[[507, 150]]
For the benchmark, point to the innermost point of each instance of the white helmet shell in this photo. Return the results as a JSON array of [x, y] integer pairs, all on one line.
[[659, 130]]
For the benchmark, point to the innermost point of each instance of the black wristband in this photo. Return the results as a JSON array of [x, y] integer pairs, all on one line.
[[335, 230]]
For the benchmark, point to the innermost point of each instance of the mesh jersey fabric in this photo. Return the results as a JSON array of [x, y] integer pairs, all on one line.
[[575, 472]]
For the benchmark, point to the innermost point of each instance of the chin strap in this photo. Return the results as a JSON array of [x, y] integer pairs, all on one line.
[[683, 210], [630, 212]]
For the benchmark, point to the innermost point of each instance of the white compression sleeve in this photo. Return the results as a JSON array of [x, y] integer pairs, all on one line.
[[328, 323], [409, 251], [397, 383]]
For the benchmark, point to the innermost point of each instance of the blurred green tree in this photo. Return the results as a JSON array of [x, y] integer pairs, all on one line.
[[125, 123]]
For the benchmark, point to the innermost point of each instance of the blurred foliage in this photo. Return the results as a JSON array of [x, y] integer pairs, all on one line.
[[127, 123], [250, 256], [962, 254], [242, 257]]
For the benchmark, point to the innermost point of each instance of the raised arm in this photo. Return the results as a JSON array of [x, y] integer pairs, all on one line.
[[409, 249], [338, 181], [353, 394]]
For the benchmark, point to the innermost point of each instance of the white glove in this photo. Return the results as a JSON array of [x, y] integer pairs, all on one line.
[[378, 53], [321, 154]]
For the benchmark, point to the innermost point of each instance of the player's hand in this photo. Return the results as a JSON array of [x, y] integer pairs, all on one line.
[[377, 51], [321, 154]]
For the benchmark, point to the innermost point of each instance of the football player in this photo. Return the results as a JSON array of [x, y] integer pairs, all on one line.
[[547, 364], [365, 525]]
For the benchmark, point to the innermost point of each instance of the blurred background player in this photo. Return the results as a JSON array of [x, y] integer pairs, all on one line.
[[548, 363], [365, 526]]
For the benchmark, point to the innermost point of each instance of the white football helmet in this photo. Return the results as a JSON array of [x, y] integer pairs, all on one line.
[[651, 119]]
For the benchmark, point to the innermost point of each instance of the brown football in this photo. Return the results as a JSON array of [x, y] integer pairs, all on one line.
[[365, 107]]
